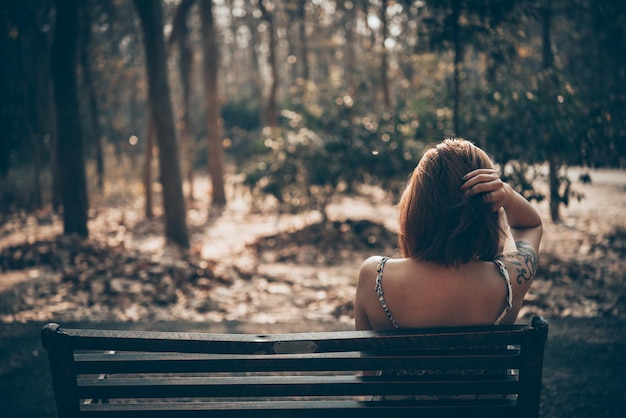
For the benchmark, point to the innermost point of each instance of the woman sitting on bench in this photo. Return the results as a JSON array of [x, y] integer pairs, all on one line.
[[469, 247]]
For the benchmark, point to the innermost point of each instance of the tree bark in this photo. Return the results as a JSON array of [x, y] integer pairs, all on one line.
[[350, 48], [211, 59], [54, 141], [304, 45], [384, 81], [42, 105], [272, 117], [548, 62], [151, 17], [180, 36], [47, 130], [147, 169], [458, 59], [8, 76], [71, 161], [255, 42], [91, 92]]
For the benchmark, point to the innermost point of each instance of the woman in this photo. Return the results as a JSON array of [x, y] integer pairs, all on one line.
[[469, 247]]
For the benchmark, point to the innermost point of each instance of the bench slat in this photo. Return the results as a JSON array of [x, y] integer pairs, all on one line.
[[148, 341], [303, 409], [279, 386], [136, 363], [122, 355]]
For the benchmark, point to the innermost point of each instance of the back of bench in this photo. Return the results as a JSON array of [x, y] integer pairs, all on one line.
[[467, 371]]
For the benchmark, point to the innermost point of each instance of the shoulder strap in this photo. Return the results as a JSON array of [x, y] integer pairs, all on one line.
[[509, 292], [379, 291]]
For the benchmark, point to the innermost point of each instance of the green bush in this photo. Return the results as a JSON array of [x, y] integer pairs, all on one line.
[[312, 160]]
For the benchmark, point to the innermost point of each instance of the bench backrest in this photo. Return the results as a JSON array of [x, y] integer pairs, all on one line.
[[468, 371]]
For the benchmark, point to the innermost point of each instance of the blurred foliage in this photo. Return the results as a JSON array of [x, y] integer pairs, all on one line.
[[304, 168], [241, 120], [334, 131], [549, 115]]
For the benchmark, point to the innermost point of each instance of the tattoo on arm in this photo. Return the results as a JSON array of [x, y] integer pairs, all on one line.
[[527, 268]]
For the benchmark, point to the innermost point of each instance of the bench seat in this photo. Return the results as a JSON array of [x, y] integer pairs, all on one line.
[[481, 371]]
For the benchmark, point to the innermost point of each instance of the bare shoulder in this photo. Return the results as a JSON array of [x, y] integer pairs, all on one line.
[[365, 296], [372, 262], [522, 263], [367, 272]]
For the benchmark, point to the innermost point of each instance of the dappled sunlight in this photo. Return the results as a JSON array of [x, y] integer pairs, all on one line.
[[258, 267], [149, 245]]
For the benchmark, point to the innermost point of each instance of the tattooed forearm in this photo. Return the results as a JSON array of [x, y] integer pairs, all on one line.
[[527, 266]]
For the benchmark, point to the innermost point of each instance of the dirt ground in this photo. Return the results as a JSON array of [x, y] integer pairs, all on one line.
[[252, 270], [256, 266]]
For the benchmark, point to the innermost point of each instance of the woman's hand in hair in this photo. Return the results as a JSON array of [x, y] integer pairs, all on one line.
[[487, 182], [521, 216]]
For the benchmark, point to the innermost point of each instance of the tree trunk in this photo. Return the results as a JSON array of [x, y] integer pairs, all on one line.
[[350, 48], [91, 92], [255, 42], [71, 161], [458, 59], [553, 179], [546, 42], [304, 46], [47, 128], [548, 62], [41, 80], [54, 141], [147, 169], [272, 116], [180, 36], [384, 81], [8, 75], [151, 17], [211, 59], [369, 89]]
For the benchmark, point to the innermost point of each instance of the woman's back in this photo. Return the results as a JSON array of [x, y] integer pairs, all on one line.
[[408, 293]]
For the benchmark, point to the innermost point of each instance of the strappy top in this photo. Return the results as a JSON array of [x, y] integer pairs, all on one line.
[[381, 295]]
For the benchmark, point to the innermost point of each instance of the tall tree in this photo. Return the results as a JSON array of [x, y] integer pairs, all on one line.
[[254, 47], [550, 79], [384, 81], [147, 169], [91, 92], [304, 43], [180, 37], [35, 89], [47, 128], [211, 60], [298, 46], [71, 162], [267, 11], [349, 24], [458, 59], [151, 17]]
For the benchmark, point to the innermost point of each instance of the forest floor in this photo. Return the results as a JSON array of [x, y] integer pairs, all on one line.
[[254, 270]]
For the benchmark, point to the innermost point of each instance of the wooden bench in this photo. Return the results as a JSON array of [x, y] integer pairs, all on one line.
[[158, 374]]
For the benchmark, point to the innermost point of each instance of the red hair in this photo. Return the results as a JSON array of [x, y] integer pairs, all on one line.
[[438, 222]]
